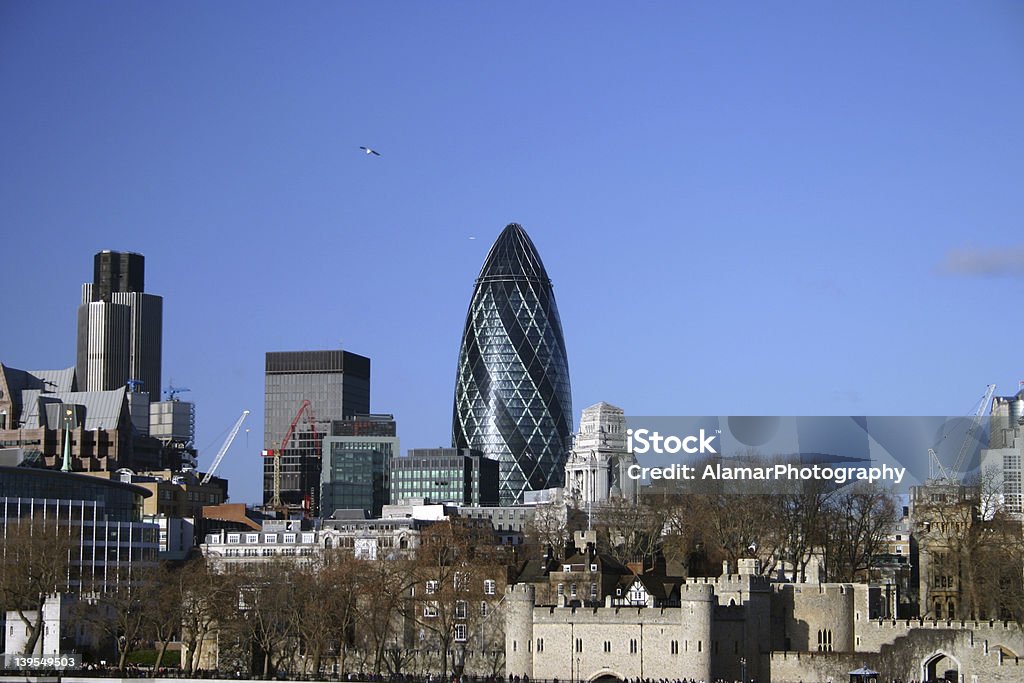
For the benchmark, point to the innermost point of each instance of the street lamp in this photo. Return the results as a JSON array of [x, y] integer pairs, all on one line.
[[743, 669]]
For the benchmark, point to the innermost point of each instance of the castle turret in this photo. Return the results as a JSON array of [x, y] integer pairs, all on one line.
[[519, 601], [698, 604]]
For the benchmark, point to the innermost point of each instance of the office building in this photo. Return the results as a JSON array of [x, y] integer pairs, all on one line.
[[173, 422], [105, 517], [1002, 463], [120, 327], [512, 393], [356, 473], [459, 476], [305, 392]]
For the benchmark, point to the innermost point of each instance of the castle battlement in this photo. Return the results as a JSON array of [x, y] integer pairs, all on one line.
[[733, 581], [1001, 627]]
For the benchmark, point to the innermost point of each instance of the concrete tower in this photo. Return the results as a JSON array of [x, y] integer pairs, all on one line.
[[120, 327]]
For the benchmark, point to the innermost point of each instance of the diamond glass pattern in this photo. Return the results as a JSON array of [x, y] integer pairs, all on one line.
[[512, 394]]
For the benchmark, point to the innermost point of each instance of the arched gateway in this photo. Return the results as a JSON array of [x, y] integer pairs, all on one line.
[[941, 666]]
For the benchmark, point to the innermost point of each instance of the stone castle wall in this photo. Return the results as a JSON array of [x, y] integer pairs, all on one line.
[[774, 627], [907, 658]]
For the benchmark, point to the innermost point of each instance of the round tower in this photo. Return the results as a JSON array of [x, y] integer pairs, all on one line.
[[697, 610], [519, 599]]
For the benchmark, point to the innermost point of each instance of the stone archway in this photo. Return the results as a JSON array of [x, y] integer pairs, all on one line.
[[605, 676], [941, 666]]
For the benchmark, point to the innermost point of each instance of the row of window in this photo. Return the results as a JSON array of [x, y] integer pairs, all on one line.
[[267, 552], [634, 646], [270, 538], [489, 585], [461, 609]]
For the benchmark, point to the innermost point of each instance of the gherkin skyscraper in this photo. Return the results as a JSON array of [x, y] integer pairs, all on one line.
[[512, 396]]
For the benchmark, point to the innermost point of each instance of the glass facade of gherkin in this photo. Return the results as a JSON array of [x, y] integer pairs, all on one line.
[[512, 394]]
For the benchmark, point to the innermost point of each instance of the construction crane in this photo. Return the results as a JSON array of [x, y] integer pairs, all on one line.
[[953, 475], [225, 447], [306, 407], [173, 391]]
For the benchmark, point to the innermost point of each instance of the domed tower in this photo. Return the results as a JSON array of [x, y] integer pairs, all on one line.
[[512, 396]]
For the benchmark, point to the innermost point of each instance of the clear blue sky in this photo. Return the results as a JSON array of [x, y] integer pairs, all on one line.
[[746, 208]]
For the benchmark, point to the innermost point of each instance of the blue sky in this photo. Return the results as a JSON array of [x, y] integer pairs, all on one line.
[[746, 208]]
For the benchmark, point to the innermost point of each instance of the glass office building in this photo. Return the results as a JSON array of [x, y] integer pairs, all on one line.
[[512, 396], [103, 519], [444, 475], [357, 464], [337, 386]]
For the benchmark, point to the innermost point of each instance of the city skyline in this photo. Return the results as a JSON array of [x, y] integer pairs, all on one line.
[[745, 210]]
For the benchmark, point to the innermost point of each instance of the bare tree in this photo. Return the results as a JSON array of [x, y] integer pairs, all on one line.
[[266, 592], [857, 523], [324, 608], [629, 532], [971, 551], [35, 562], [163, 613], [384, 587], [551, 527], [118, 613], [457, 568], [206, 599]]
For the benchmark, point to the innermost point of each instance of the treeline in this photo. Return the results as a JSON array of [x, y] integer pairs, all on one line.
[[845, 528], [430, 609]]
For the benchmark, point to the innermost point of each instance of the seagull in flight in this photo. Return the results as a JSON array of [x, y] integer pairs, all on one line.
[[370, 151]]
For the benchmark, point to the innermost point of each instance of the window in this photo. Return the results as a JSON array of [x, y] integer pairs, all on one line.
[[252, 538], [674, 647], [540, 645], [561, 589], [489, 586], [593, 591], [460, 633], [484, 609], [572, 590], [430, 610], [593, 567], [460, 609], [234, 538], [431, 587], [607, 646], [632, 646], [579, 645]]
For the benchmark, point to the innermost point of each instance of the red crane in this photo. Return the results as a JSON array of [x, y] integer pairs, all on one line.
[[307, 408]]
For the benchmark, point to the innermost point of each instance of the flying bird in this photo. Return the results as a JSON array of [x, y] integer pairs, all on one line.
[[370, 151]]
